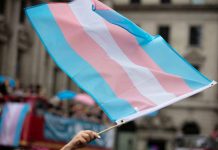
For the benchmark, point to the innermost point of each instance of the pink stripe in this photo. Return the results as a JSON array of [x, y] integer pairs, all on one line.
[[93, 54], [138, 56]]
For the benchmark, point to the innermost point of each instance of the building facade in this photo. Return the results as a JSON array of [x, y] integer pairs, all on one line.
[[190, 26]]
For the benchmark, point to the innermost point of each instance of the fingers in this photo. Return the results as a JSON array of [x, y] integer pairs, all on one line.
[[87, 137], [82, 141], [92, 134], [82, 138]]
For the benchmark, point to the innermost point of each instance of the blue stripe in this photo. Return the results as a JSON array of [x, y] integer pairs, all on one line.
[[20, 122], [82, 73], [160, 51]]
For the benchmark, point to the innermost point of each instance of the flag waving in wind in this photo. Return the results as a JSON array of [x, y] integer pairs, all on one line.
[[128, 72]]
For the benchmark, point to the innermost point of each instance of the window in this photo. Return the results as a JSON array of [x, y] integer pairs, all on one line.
[[47, 59], [191, 128], [138, 25], [2, 6], [164, 31], [198, 2], [69, 84], [195, 36], [135, 1], [156, 144], [22, 14], [72, 86], [165, 1], [56, 74], [1, 57], [197, 66], [33, 2], [21, 65]]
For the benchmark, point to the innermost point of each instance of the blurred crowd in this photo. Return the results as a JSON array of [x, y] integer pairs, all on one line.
[[17, 92], [65, 108], [76, 110]]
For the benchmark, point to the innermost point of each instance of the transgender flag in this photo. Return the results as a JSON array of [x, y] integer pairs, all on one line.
[[128, 72], [11, 124]]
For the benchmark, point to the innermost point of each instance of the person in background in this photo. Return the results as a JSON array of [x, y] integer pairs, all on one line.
[[18, 90], [214, 137], [3, 89], [30, 90], [80, 140]]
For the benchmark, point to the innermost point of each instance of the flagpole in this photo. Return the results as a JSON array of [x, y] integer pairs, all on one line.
[[110, 128]]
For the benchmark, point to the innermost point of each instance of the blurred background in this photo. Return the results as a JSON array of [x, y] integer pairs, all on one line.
[[58, 109]]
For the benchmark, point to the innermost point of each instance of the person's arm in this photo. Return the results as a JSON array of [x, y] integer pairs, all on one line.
[[80, 140]]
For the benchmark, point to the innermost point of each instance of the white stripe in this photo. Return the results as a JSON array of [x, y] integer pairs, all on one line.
[[156, 108], [141, 77]]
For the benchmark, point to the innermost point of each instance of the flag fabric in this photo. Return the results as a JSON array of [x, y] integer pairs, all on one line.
[[12, 120], [127, 71]]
